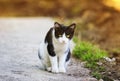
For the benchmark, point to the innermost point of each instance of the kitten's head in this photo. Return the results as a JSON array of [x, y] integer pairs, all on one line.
[[64, 33]]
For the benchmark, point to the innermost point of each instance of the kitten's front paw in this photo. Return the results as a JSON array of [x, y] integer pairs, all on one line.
[[49, 69], [62, 70], [55, 70]]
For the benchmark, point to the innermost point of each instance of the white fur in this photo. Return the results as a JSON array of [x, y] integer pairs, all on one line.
[[57, 63], [61, 44]]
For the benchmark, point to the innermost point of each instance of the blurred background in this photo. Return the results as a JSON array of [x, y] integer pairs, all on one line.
[[97, 20]]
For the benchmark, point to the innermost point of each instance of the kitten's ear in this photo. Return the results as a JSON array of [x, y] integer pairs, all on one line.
[[72, 26], [56, 24]]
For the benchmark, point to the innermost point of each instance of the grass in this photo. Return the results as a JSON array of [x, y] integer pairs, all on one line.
[[90, 53]]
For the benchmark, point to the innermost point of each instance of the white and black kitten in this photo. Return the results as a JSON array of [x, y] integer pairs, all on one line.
[[54, 51]]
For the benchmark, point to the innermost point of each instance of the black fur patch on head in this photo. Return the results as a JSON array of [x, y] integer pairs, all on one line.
[[61, 29]]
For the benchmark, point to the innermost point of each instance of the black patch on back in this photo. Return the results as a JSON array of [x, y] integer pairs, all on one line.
[[50, 49], [48, 39]]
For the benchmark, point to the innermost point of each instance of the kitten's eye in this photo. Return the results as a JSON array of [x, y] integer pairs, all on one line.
[[67, 36], [60, 35]]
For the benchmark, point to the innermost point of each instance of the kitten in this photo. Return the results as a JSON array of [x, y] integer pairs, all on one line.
[[54, 51]]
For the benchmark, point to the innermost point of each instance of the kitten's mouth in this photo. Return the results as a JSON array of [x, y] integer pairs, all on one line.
[[63, 42]]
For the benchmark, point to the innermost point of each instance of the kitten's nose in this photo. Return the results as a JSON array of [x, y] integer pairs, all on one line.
[[63, 42]]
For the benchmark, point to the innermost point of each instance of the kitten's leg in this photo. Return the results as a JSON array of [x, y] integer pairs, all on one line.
[[53, 58], [54, 64], [62, 63], [48, 66], [49, 69]]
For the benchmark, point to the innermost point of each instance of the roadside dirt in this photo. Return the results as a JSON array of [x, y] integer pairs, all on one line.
[[19, 42]]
